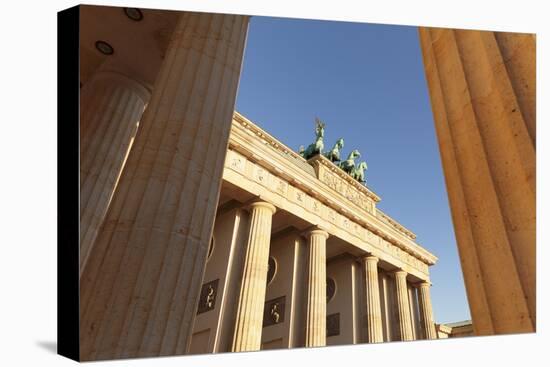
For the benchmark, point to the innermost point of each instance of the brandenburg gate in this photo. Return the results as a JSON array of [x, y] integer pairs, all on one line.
[[194, 219]]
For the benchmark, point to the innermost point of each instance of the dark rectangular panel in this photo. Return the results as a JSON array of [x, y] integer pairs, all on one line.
[[274, 311], [207, 298], [333, 324]]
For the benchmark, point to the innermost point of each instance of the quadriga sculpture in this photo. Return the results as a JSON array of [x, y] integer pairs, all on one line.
[[334, 153], [349, 164], [317, 147]]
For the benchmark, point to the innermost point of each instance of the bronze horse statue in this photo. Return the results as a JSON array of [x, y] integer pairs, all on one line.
[[317, 147], [334, 153], [349, 164], [359, 172]]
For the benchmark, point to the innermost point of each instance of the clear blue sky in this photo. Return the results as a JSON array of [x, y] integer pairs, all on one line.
[[366, 82]]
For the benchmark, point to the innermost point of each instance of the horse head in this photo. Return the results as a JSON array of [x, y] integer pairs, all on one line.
[[354, 154], [362, 166], [339, 144]]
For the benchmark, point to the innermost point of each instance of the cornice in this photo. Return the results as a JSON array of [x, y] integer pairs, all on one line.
[[395, 224]]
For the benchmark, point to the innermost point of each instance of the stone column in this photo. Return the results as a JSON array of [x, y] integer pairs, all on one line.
[[248, 325], [374, 312], [405, 322], [426, 311], [140, 286], [316, 315], [111, 106], [482, 90]]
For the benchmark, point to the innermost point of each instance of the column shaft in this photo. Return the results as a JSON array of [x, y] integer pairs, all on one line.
[[248, 325], [374, 312], [111, 107], [426, 311], [405, 322], [316, 316], [482, 90], [140, 286]]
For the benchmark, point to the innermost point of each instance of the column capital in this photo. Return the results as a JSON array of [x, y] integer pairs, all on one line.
[[121, 78], [315, 231], [263, 204], [370, 258], [423, 284], [400, 273]]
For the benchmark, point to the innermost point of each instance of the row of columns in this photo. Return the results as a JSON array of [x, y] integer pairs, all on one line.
[[248, 327], [374, 313]]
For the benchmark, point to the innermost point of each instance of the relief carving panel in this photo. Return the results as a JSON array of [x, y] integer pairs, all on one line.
[[274, 311], [261, 175], [235, 161], [207, 298], [345, 189]]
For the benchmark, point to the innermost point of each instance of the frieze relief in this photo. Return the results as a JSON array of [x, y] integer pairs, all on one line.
[[316, 206], [261, 175], [258, 174], [357, 230], [346, 190], [235, 161], [332, 181], [346, 223], [299, 197], [280, 186]]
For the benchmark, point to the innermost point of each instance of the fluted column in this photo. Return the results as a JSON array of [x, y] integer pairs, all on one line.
[[426, 311], [316, 316], [248, 325], [374, 311], [140, 286], [482, 90], [405, 322], [111, 106]]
